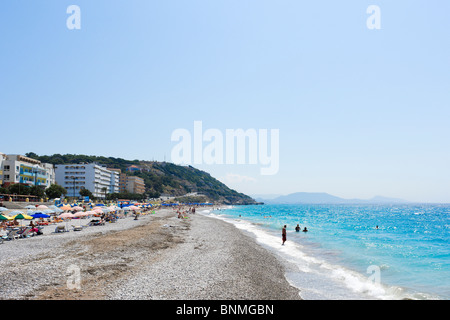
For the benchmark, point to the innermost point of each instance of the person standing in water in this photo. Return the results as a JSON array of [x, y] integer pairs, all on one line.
[[283, 235]]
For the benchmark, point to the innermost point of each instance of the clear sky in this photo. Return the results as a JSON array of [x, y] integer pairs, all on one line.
[[360, 112]]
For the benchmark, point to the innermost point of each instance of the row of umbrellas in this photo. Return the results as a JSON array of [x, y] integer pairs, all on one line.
[[64, 215], [19, 216]]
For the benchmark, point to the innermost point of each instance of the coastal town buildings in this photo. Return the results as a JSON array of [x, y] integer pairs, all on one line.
[[2, 158], [20, 169], [123, 182], [115, 180], [131, 184], [134, 168], [135, 185], [94, 177]]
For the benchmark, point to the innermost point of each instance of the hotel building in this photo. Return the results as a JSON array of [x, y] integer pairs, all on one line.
[[131, 184], [2, 158], [94, 177], [135, 185]]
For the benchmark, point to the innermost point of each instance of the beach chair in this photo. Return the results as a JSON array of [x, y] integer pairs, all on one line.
[[24, 233], [59, 229], [12, 235], [77, 228]]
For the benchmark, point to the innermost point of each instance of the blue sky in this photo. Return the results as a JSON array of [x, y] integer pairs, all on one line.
[[360, 112]]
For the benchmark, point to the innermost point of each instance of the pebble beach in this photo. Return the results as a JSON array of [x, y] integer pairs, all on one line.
[[158, 257]]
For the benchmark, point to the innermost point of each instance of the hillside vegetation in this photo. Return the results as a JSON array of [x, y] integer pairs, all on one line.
[[161, 178]]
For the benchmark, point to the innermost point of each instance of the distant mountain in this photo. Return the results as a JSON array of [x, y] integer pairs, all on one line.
[[264, 197], [325, 198], [380, 199]]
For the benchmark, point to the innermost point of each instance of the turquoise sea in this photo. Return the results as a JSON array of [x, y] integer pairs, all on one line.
[[344, 256]]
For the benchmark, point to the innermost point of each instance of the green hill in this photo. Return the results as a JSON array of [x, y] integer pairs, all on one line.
[[161, 178]]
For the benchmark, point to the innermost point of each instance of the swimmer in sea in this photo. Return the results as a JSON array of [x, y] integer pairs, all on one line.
[[305, 230]]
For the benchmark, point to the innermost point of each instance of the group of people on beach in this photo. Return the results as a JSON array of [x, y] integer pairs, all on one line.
[[283, 232], [183, 214]]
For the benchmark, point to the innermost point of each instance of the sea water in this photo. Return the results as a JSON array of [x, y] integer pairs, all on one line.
[[345, 256]]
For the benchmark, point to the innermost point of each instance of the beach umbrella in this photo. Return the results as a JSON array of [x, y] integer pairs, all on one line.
[[40, 215], [42, 207], [134, 208], [78, 214], [3, 209], [22, 216], [5, 218], [66, 207], [30, 206], [15, 212], [53, 210], [77, 208], [65, 215], [97, 210]]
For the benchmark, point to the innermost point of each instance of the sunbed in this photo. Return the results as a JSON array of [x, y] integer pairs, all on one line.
[[59, 229]]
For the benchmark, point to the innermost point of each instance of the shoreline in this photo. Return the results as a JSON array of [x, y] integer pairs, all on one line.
[[318, 273], [156, 257], [314, 278]]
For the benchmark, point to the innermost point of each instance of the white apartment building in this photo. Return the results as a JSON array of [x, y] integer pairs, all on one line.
[[20, 169], [96, 178], [2, 158], [114, 184], [50, 173]]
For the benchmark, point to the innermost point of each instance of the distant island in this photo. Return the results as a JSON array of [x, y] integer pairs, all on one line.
[[324, 198]]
